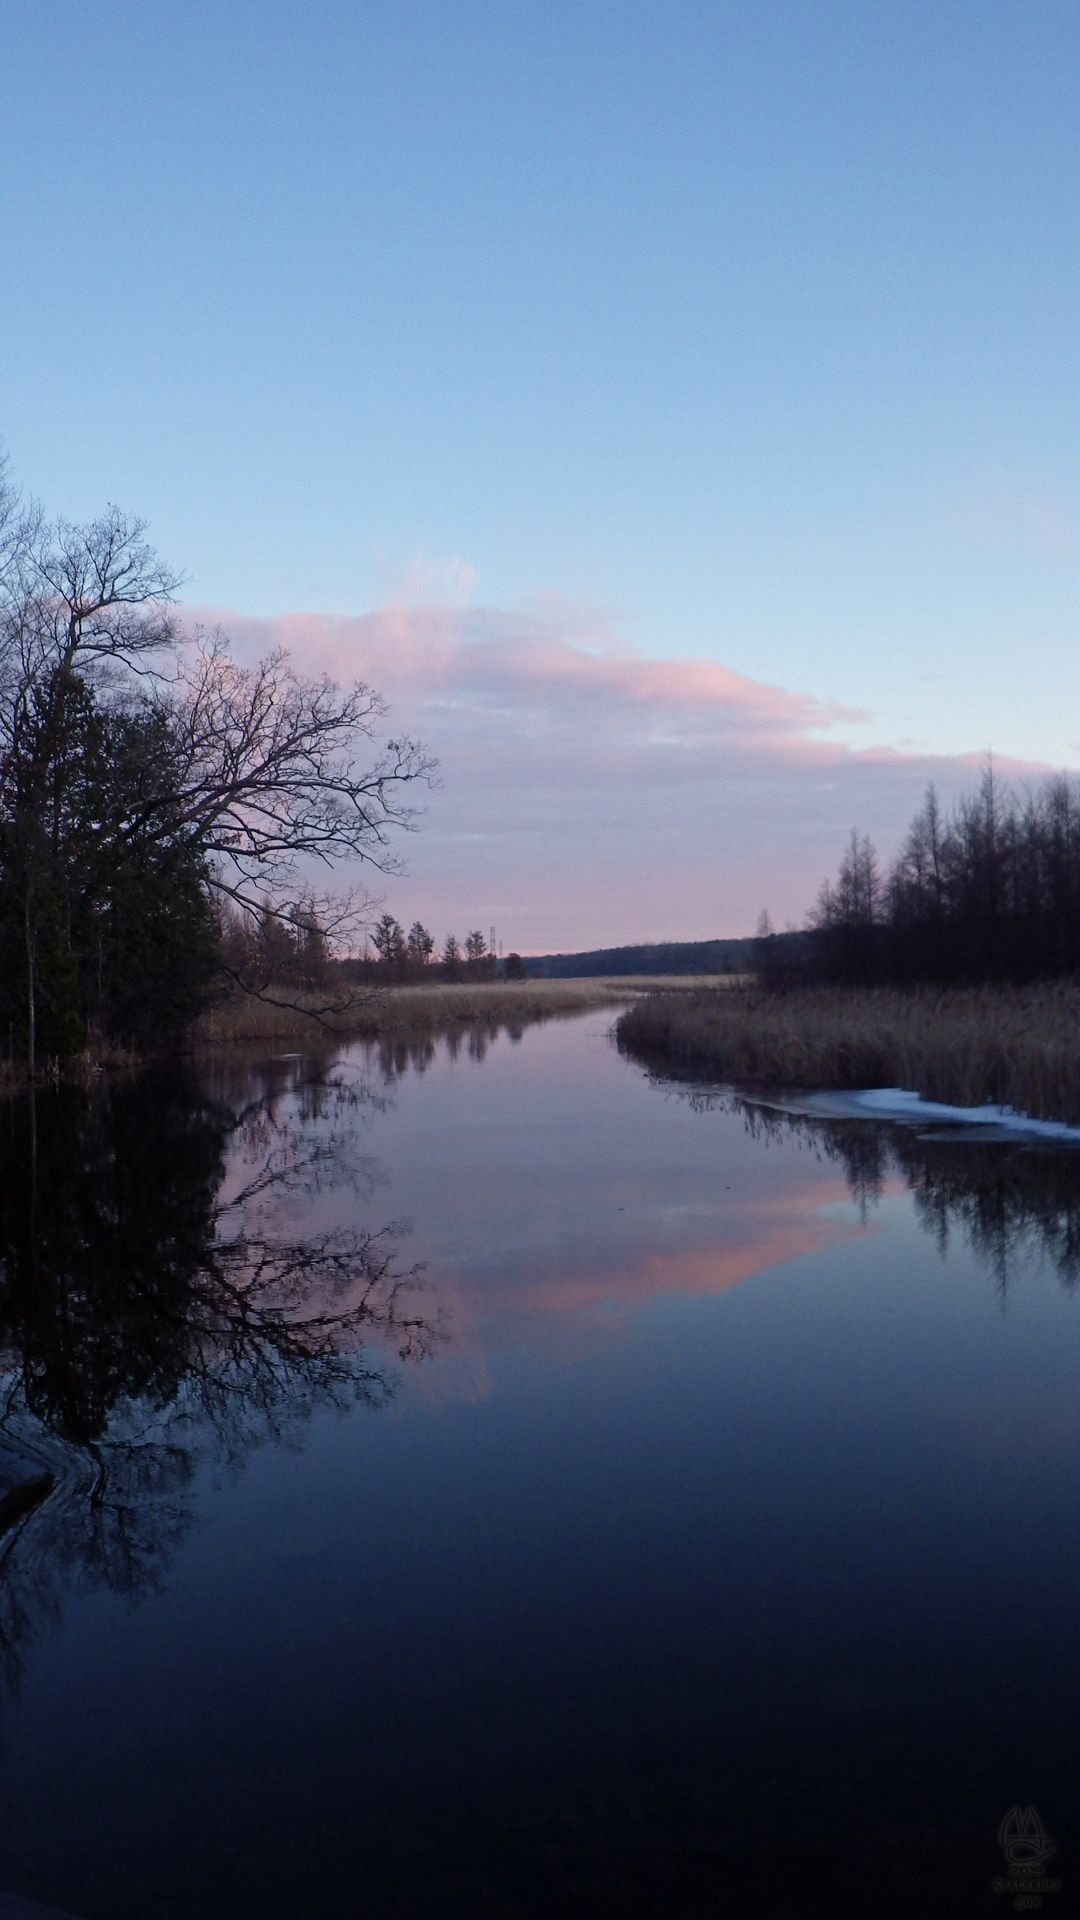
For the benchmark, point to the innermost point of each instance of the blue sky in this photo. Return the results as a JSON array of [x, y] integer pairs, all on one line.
[[751, 327]]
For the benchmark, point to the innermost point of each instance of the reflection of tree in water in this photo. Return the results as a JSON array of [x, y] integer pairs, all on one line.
[[397, 1054], [1015, 1204], [159, 1307]]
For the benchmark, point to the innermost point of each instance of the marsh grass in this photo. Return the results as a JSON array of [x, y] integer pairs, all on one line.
[[369, 1012], [1018, 1046]]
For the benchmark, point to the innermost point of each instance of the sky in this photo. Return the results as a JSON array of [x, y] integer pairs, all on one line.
[[673, 408]]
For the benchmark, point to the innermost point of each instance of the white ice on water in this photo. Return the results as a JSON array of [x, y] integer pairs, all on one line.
[[908, 1109]]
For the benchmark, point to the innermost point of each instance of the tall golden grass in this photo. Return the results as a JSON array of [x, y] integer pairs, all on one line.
[[368, 1012], [1016, 1046]]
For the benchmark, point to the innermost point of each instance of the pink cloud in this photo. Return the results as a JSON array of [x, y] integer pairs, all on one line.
[[592, 796]]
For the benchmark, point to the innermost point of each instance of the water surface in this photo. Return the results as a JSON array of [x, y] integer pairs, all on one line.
[[487, 1481]]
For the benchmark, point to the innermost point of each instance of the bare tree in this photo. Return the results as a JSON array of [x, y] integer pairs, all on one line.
[[263, 775], [76, 604], [19, 526], [79, 600], [275, 773]]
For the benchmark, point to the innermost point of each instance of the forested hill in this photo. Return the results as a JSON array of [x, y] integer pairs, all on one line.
[[669, 956]]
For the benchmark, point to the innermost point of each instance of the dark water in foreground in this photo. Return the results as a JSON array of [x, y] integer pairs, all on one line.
[[699, 1532]]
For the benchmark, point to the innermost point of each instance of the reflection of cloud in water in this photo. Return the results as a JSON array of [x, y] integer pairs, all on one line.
[[579, 1295], [544, 1225]]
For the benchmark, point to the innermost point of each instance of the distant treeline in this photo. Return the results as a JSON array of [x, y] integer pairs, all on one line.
[[668, 956], [989, 892], [393, 956]]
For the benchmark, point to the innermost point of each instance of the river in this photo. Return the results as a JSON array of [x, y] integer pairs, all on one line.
[[482, 1479]]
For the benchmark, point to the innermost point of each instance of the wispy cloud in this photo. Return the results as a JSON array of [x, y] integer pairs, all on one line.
[[592, 795], [424, 582]]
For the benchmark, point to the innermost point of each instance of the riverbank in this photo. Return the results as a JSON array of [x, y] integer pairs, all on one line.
[[372, 1012], [364, 1013], [1015, 1046], [84, 1067]]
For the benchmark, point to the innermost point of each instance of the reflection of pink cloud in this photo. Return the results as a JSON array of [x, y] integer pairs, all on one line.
[[571, 1305], [592, 796], [787, 1230]]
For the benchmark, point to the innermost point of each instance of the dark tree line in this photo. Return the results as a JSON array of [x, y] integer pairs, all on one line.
[[162, 808], [401, 958], [988, 893]]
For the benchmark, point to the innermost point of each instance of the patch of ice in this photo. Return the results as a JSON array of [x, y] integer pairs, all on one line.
[[902, 1107]]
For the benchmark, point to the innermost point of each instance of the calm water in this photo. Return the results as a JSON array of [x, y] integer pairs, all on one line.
[[697, 1532]]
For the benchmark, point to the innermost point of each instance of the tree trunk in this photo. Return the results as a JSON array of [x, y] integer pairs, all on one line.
[[31, 970]]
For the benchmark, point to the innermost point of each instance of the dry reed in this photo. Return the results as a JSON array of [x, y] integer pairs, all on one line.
[[368, 1012], [1019, 1047]]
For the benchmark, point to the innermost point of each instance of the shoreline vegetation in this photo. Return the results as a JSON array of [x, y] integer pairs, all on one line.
[[314, 1016], [954, 975], [372, 1012], [1013, 1046]]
